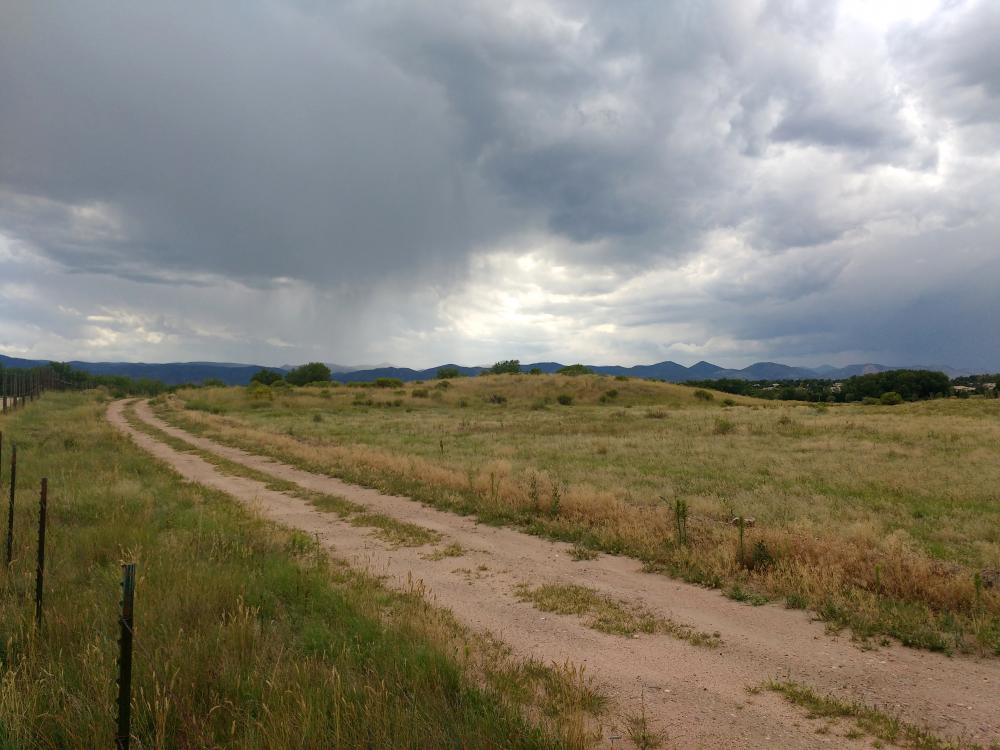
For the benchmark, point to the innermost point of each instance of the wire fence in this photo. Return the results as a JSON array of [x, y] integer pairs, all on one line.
[[18, 389]]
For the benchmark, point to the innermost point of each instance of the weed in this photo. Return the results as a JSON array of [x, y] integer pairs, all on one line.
[[578, 552], [680, 521], [452, 550], [723, 427], [639, 732]]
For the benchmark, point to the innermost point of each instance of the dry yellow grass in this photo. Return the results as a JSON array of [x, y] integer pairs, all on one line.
[[875, 517]]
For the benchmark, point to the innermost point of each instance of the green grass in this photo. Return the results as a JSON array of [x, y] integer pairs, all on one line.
[[877, 519], [867, 720], [609, 615], [247, 635]]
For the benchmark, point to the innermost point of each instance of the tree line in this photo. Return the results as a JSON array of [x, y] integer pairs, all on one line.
[[908, 385]]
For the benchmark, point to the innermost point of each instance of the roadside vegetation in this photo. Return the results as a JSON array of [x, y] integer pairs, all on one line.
[[883, 519], [247, 634]]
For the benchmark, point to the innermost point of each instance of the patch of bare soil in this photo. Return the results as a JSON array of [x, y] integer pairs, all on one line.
[[696, 696]]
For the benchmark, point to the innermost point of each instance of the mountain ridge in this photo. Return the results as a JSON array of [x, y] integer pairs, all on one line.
[[234, 373]]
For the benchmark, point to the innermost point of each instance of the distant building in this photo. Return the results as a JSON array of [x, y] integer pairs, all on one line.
[[990, 386], [836, 388], [964, 389]]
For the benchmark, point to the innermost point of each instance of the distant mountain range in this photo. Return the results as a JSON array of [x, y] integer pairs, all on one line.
[[231, 373]]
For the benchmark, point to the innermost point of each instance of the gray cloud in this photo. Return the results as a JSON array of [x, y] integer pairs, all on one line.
[[276, 179]]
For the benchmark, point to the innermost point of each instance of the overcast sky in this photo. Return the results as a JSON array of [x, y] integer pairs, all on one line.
[[627, 182]]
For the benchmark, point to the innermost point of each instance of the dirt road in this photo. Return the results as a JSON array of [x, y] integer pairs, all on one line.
[[696, 695]]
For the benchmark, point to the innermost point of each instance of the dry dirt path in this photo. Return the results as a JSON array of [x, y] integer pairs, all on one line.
[[696, 695]]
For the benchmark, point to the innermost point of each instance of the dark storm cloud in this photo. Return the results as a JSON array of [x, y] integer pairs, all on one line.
[[350, 142], [272, 146]]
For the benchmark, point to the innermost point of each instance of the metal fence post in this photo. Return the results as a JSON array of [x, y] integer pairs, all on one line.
[[10, 508], [43, 501], [125, 658]]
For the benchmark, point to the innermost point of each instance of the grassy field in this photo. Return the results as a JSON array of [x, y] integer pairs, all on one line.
[[247, 635], [882, 519]]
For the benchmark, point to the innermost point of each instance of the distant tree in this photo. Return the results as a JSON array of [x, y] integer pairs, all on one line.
[[512, 366], [911, 385], [446, 373], [535, 371], [308, 373], [265, 377], [213, 383], [388, 383], [577, 369]]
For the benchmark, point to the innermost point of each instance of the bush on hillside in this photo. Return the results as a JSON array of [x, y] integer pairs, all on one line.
[[576, 369], [506, 366], [308, 373], [266, 377]]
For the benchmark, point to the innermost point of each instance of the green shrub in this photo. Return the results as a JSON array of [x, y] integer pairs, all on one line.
[[535, 371], [308, 373], [576, 369], [506, 366], [388, 383], [890, 398], [448, 372], [266, 377], [703, 395], [723, 427], [420, 393], [565, 399]]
